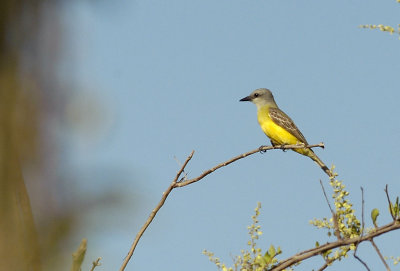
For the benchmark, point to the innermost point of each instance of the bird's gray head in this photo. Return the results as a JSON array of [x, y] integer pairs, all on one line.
[[260, 97]]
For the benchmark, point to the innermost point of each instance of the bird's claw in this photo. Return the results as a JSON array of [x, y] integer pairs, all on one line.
[[261, 149]]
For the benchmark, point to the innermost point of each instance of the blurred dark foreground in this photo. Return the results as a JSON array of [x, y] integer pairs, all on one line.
[[31, 100]]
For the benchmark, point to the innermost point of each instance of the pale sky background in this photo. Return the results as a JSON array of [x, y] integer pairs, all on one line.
[[169, 76]]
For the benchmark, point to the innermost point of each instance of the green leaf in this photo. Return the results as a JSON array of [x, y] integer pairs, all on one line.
[[267, 258], [272, 251], [374, 215], [316, 244], [326, 253], [396, 208]]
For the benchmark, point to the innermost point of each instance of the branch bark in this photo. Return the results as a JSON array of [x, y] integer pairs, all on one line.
[[184, 182], [362, 231], [78, 256], [95, 264], [395, 225], [154, 212], [380, 255], [241, 156]]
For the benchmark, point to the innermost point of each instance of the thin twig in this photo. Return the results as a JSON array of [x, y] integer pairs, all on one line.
[[362, 230], [362, 211], [344, 242], [323, 267], [326, 198], [184, 173], [154, 212], [389, 202], [95, 264], [380, 254], [183, 182], [334, 216], [326, 264], [78, 256], [241, 156], [361, 261]]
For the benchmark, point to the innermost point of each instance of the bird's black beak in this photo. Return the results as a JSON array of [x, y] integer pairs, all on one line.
[[245, 99]]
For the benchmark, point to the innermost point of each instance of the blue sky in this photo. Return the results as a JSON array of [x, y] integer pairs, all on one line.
[[169, 75]]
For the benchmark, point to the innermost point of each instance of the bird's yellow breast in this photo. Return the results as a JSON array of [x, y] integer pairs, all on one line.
[[276, 133]]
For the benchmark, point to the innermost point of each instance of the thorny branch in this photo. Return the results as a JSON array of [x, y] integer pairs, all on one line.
[[183, 181]]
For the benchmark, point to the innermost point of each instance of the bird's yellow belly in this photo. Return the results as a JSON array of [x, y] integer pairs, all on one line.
[[277, 134]]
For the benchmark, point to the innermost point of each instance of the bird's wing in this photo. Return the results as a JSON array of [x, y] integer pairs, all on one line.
[[284, 121]]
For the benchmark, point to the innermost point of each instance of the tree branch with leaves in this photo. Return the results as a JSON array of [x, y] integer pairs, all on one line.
[[343, 224]]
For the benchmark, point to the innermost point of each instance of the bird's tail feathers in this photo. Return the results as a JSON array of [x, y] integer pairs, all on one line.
[[321, 164]]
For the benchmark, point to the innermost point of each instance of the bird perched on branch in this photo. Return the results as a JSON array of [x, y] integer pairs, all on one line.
[[278, 126]]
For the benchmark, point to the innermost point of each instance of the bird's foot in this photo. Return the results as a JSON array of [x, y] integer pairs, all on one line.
[[283, 147], [261, 149], [277, 145]]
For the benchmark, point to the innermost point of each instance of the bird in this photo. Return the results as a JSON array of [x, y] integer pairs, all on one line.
[[279, 127]]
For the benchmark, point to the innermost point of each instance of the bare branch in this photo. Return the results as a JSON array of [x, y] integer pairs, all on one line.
[[95, 264], [389, 202], [183, 182], [334, 216], [362, 211], [154, 212], [362, 230], [78, 256], [361, 261], [326, 264], [344, 242], [326, 198], [380, 254], [323, 267], [241, 156]]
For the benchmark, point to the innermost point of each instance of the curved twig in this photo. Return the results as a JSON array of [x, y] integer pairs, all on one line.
[[395, 225], [380, 254], [184, 182], [241, 156], [154, 212]]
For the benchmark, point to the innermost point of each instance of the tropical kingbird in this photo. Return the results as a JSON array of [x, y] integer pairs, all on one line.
[[278, 126]]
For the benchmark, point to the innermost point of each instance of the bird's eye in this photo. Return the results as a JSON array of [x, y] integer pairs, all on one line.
[[256, 95]]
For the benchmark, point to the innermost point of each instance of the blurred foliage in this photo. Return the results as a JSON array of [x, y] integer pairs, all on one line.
[[254, 259], [32, 103], [343, 224], [19, 249], [78, 256], [384, 28], [395, 260]]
